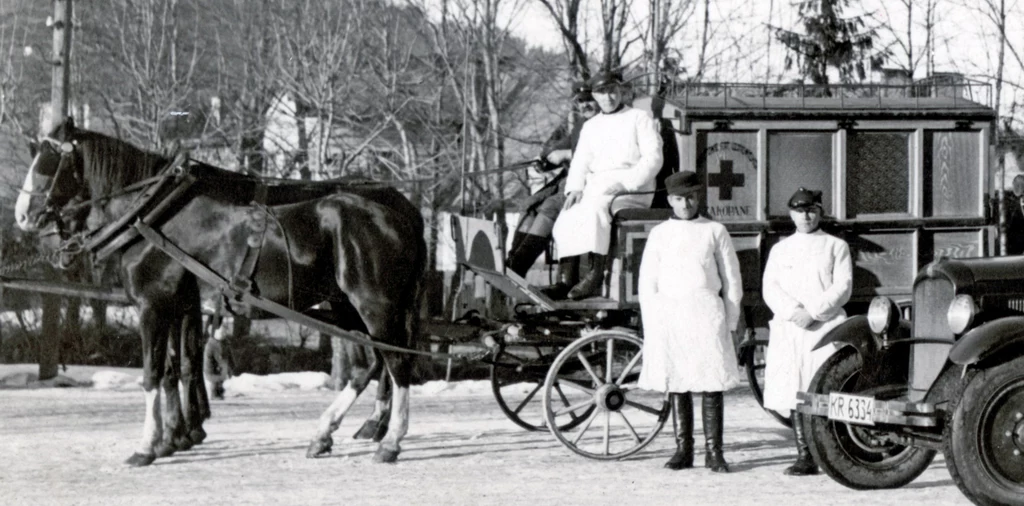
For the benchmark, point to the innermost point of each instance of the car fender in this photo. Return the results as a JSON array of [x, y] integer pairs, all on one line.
[[987, 339], [852, 332]]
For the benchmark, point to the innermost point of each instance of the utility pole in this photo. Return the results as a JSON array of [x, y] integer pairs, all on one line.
[[49, 336]]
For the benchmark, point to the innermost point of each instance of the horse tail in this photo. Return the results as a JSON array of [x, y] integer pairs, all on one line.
[[416, 293]]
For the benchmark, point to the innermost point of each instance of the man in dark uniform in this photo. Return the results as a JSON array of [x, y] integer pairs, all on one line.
[[1015, 218], [533, 233]]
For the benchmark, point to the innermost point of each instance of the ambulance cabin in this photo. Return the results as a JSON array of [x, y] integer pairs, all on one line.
[[904, 172]]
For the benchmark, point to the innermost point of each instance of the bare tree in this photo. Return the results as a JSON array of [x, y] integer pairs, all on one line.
[[913, 16], [667, 21], [566, 15], [614, 18], [142, 61]]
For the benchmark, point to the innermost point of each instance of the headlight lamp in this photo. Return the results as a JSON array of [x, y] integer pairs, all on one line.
[[882, 314], [961, 313]]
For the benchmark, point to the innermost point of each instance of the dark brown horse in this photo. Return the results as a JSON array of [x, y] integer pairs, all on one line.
[[360, 247]]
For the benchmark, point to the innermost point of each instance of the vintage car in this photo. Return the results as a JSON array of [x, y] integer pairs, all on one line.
[[943, 373]]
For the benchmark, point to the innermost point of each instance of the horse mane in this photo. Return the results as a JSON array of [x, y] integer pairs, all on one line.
[[110, 164]]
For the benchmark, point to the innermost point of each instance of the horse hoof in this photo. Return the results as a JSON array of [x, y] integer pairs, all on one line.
[[164, 449], [197, 436], [319, 448], [367, 431], [385, 456], [382, 430], [182, 443], [140, 460]]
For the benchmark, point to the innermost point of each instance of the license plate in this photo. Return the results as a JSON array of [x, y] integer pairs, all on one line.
[[851, 408]]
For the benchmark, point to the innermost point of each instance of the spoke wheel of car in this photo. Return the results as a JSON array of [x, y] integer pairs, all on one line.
[[859, 457], [984, 438]]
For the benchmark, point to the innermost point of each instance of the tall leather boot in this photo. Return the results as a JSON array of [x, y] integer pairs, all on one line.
[[517, 240], [804, 465], [568, 276], [592, 283], [713, 413], [683, 458], [525, 250]]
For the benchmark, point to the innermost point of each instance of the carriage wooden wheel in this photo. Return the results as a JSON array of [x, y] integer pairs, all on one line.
[[599, 373], [517, 377], [752, 359]]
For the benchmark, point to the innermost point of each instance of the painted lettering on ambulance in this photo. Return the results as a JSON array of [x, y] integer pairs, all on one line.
[[730, 168]]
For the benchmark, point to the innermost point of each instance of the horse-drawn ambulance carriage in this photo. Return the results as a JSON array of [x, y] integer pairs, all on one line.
[[904, 172], [905, 176]]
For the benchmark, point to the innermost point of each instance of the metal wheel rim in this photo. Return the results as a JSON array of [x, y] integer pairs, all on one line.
[[871, 455], [998, 417]]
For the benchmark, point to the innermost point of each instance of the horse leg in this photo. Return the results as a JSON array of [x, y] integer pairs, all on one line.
[[330, 420], [154, 351], [400, 369], [175, 435], [377, 424], [191, 332]]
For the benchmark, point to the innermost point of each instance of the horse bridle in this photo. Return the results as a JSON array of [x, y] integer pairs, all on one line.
[[67, 150]]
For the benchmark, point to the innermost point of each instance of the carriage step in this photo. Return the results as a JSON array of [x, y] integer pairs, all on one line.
[[512, 285]]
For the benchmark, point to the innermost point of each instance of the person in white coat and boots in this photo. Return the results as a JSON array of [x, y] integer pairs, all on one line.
[[807, 280], [690, 292], [619, 150]]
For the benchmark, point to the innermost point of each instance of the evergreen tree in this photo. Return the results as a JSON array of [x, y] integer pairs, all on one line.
[[830, 40]]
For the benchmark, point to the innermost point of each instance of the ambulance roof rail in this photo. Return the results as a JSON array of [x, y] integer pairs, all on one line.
[[943, 91]]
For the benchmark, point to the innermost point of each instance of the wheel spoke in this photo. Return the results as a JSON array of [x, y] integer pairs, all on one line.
[[636, 437], [642, 407], [565, 401], [528, 398], [625, 372], [586, 425], [577, 386], [609, 361], [590, 370], [571, 410], [607, 432]]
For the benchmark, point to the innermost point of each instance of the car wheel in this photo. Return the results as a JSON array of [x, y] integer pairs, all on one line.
[[859, 457], [984, 438]]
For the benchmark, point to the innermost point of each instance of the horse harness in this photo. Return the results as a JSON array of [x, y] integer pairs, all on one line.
[[162, 192]]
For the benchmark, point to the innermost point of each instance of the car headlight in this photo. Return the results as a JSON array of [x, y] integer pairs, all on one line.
[[961, 313], [882, 313]]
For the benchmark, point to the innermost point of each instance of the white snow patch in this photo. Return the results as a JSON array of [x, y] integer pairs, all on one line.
[[116, 380], [247, 383], [445, 388]]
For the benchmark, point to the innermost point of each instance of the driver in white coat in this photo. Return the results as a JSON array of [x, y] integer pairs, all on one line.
[[808, 279], [618, 151]]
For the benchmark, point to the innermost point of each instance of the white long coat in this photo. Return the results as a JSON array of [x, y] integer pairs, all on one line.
[[690, 293], [616, 152], [814, 271]]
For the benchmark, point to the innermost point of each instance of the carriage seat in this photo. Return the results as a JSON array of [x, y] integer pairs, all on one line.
[[642, 214], [659, 210]]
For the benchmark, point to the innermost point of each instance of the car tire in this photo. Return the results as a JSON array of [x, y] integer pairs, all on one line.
[[852, 455], [983, 433]]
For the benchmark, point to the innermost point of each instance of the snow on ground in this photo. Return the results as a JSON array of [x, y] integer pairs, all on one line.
[[65, 446]]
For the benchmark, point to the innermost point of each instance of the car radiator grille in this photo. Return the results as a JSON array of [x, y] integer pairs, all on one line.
[[931, 301]]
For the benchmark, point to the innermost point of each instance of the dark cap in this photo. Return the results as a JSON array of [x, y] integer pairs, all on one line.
[[581, 92], [605, 79], [804, 198], [683, 183]]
